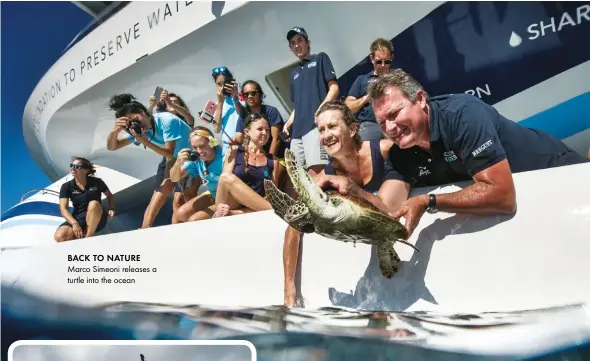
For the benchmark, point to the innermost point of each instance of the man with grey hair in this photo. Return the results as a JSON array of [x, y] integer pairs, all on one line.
[[452, 138]]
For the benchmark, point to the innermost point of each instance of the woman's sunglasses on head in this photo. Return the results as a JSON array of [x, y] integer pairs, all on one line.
[[218, 70]]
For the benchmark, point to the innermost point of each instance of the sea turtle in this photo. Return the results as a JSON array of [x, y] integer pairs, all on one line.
[[333, 215]]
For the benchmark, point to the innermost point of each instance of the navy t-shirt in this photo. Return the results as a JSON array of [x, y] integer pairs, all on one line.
[[309, 87], [256, 174], [81, 198], [468, 136], [358, 90], [275, 118]]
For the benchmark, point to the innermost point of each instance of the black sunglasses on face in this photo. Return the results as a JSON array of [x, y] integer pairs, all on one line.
[[253, 93], [383, 61], [77, 166]]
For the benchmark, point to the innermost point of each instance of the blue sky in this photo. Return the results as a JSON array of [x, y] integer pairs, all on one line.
[[33, 36]]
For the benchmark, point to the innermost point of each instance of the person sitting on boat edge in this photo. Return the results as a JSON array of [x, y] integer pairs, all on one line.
[[241, 185], [163, 133], [172, 103], [252, 92], [84, 190], [361, 161], [452, 138], [229, 108], [204, 167]]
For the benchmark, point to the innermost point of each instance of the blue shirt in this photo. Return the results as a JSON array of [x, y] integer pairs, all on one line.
[[309, 87], [214, 169], [168, 127], [229, 122], [467, 136], [358, 90]]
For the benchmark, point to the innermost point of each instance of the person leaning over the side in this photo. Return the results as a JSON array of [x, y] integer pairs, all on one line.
[[84, 190], [164, 133], [358, 100], [361, 161], [452, 138]]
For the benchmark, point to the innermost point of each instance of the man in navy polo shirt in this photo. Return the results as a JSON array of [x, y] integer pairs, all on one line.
[[313, 82], [358, 101], [453, 138]]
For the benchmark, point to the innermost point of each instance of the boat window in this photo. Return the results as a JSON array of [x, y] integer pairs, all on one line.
[[279, 83]]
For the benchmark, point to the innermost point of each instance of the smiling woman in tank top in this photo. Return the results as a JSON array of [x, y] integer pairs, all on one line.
[[356, 167]]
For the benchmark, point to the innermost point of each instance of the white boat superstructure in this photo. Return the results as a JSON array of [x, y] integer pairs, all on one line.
[[496, 51]]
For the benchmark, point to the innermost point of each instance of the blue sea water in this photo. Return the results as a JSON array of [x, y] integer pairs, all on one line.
[[277, 332]]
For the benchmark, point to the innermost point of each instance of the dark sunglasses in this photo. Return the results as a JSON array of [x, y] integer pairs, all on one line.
[[77, 166], [218, 70], [247, 94], [383, 61]]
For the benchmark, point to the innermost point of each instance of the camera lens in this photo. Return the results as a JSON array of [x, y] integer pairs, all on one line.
[[193, 156]]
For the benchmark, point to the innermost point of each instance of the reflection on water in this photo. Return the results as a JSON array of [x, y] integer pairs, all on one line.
[[303, 334]]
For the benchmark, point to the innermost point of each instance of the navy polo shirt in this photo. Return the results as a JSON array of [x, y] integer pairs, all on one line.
[[309, 87], [358, 90], [82, 198], [467, 136]]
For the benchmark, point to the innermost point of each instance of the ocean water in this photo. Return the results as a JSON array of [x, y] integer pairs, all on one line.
[[279, 333]]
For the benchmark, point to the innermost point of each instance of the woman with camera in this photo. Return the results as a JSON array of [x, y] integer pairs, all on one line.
[[229, 108], [84, 190], [252, 92], [172, 103], [164, 133], [204, 163], [241, 185]]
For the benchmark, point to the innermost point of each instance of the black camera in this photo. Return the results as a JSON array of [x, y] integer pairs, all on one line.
[[193, 156], [136, 126]]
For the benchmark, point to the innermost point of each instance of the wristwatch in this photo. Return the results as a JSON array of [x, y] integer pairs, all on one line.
[[431, 208]]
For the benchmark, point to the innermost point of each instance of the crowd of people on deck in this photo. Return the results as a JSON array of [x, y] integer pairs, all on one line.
[[387, 137]]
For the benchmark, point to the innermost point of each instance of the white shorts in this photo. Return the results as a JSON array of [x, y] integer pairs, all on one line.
[[308, 151]]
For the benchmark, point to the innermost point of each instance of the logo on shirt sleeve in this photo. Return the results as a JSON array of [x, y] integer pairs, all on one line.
[[482, 147], [450, 156]]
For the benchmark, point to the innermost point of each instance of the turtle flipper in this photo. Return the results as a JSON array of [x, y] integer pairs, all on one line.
[[388, 259], [282, 205]]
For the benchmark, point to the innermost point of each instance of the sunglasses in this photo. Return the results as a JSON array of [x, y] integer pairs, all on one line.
[[77, 166], [218, 70], [247, 94], [383, 61]]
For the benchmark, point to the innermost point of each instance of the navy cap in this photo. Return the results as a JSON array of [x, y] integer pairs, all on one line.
[[296, 30]]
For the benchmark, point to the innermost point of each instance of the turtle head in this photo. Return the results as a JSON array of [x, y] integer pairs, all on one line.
[[310, 194]]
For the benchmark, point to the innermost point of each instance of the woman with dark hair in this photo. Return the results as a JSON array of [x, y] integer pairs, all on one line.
[[241, 185], [84, 190], [164, 133], [356, 167], [252, 92], [229, 108], [172, 103]]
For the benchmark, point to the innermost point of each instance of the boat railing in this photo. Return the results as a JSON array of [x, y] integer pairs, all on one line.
[[41, 190]]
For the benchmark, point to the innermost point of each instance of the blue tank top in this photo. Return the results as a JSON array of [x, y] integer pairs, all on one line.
[[378, 162], [256, 174]]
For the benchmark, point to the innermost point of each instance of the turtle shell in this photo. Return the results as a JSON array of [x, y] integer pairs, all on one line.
[[363, 203]]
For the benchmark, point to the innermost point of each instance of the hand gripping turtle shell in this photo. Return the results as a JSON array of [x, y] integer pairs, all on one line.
[[333, 215]]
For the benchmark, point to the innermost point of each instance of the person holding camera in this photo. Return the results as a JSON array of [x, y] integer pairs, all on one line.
[[84, 190], [164, 133], [229, 108], [172, 103], [201, 164], [252, 92]]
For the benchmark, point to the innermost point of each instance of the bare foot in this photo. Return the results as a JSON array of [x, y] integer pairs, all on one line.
[[222, 210]]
